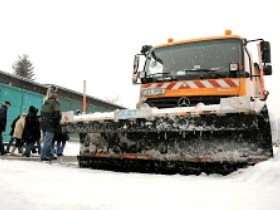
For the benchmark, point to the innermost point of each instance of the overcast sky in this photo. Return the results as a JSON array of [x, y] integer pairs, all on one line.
[[69, 41]]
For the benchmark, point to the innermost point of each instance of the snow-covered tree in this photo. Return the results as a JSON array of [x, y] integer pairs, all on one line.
[[23, 67]]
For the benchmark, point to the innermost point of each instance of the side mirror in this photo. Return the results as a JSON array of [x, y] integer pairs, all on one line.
[[267, 70], [136, 64], [145, 49], [135, 74], [265, 50]]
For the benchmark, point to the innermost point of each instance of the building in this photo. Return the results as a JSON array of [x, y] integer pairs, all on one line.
[[22, 93]]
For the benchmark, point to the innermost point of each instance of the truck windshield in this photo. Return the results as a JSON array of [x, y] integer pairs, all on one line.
[[205, 59]]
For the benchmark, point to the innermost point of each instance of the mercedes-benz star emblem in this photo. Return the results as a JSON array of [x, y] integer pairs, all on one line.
[[184, 102]]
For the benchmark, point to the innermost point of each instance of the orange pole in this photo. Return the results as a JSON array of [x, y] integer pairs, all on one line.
[[84, 98]]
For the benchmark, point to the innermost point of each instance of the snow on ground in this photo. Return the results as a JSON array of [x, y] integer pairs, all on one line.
[[71, 148], [37, 185]]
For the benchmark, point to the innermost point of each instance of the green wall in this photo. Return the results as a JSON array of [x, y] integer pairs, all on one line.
[[21, 99]]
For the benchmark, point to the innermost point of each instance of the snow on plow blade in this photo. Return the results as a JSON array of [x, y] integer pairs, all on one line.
[[181, 143]]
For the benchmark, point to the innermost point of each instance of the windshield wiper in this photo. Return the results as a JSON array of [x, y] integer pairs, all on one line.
[[204, 71], [158, 74], [163, 76]]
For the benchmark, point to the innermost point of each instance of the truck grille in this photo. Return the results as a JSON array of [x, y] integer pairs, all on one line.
[[173, 102]]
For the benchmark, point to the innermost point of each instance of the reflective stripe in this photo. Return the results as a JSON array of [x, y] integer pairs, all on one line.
[[207, 84], [177, 85], [222, 83], [217, 83], [165, 85], [192, 85]]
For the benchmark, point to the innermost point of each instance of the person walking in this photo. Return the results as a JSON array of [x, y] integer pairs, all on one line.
[[12, 133], [50, 118], [60, 137], [3, 122], [38, 141], [18, 131], [31, 132]]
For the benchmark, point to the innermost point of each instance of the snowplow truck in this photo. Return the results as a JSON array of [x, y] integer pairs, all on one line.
[[202, 107]]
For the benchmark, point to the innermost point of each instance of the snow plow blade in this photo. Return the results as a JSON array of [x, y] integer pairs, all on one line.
[[181, 143]]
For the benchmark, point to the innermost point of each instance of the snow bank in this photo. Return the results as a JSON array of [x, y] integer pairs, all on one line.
[[36, 185]]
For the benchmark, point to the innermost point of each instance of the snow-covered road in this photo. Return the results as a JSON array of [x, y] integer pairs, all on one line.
[[36, 185]]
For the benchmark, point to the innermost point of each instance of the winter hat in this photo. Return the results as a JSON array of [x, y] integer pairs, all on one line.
[[33, 110], [8, 102]]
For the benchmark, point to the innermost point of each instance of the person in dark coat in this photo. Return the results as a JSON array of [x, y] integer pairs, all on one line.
[[50, 119], [31, 132], [38, 142], [3, 123], [60, 137]]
